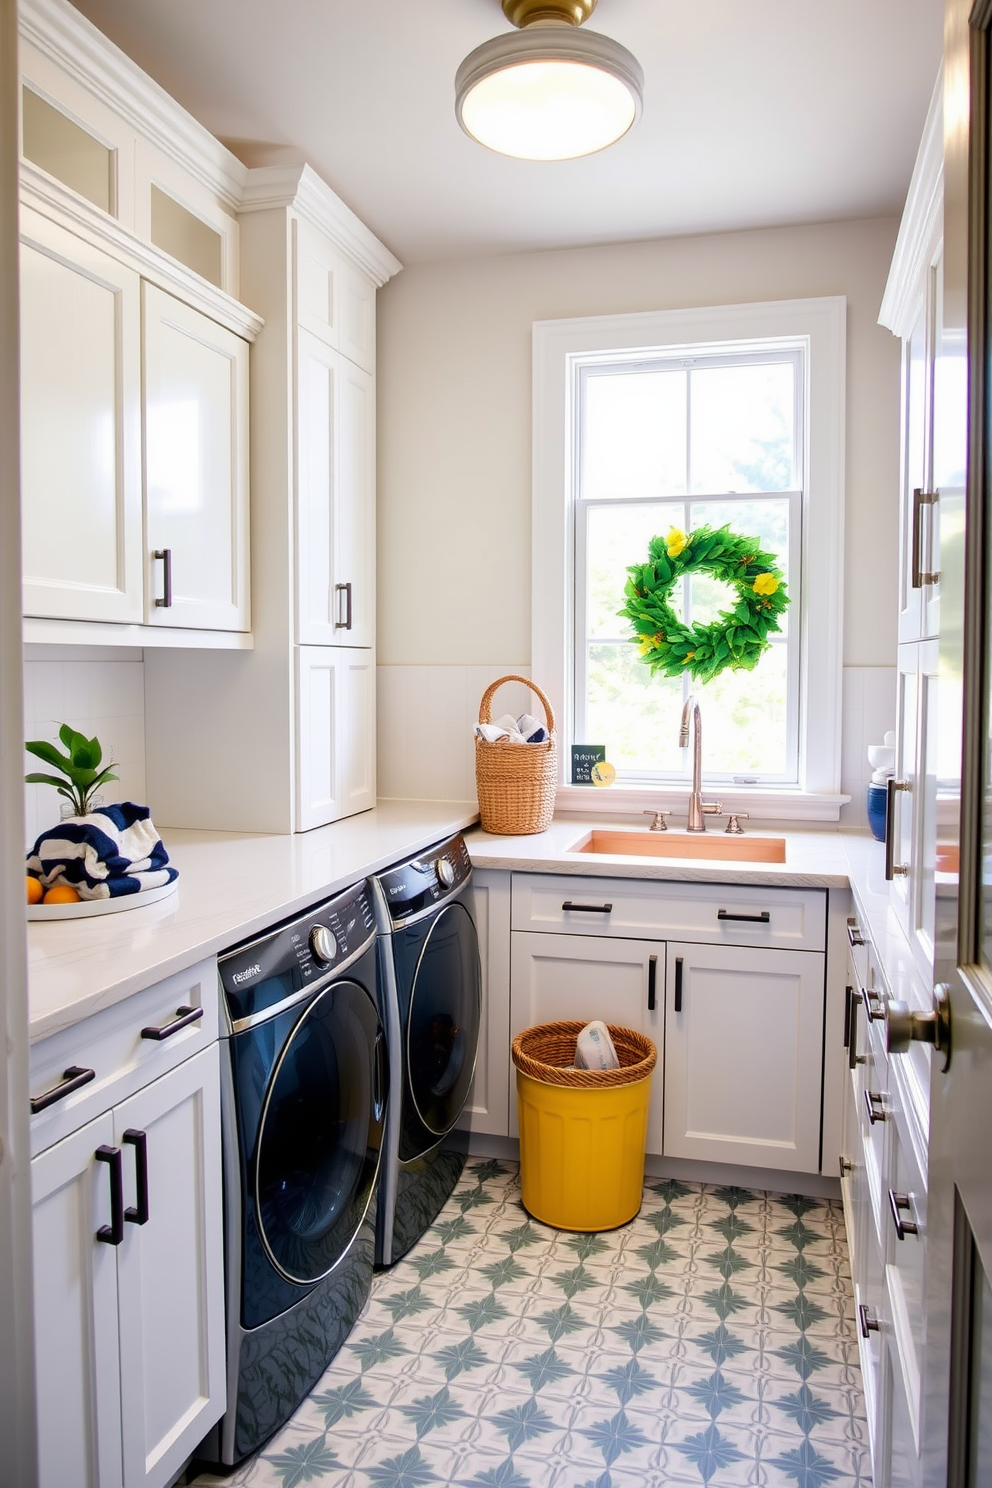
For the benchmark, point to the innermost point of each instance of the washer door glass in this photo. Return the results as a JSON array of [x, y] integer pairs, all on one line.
[[443, 1024], [321, 1134]]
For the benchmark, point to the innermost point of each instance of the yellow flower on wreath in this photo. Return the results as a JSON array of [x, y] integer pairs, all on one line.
[[676, 541], [650, 643], [765, 583]]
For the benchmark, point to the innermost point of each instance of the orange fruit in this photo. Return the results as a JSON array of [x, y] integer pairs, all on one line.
[[61, 894], [35, 890]]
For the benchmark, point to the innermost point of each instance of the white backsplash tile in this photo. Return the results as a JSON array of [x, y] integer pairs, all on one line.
[[105, 697], [869, 702]]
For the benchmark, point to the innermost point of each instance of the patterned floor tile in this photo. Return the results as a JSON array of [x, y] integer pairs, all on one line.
[[709, 1342]]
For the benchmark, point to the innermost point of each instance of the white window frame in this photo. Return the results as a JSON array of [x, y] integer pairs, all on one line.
[[560, 346]]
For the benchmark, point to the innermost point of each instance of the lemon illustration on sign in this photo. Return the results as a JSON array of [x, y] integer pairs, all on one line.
[[603, 773]]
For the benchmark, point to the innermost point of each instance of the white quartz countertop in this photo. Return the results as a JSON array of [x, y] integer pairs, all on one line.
[[231, 885]]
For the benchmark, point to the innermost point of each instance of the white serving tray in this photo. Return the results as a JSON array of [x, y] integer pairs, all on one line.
[[87, 907]]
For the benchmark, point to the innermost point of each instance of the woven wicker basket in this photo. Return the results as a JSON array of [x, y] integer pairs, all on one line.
[[547, 1052], [516, 782]]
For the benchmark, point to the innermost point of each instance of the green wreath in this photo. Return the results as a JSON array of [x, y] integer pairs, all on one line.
[[739, 638]]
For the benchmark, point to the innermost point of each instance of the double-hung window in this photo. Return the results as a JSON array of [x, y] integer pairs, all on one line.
[[724, 417]]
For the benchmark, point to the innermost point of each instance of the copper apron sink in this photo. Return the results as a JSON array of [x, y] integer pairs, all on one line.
[[715, 846]]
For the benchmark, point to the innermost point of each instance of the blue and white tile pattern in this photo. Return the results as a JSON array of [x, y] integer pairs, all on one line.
[[710, 1341]]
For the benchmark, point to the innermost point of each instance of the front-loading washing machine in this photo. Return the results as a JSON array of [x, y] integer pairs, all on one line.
[[304, 1095], [431, 1001]]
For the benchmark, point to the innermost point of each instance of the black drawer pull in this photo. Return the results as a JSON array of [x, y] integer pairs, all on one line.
[[867, 1321], [854, 934], [764, 918], [872, 1103], [139, 1141], [853, 1059], [874, 1011], [165, 554], [652, 982], [678, 984], [113, 1233], [74, 1078], [589, 908], [185, 1015], [899, 1203]]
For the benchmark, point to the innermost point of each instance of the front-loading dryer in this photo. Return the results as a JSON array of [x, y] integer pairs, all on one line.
[[305, 1096], [431, 1006]]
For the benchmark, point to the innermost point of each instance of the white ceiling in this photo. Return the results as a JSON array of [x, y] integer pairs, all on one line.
[[756, 112]]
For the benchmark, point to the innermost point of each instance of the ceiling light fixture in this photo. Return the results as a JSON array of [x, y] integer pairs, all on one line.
[[548, 91]]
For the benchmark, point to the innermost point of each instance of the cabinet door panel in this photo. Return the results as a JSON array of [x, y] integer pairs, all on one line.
[[171, 1272], [196, 466], [75, 1308], [916, 404], [486, 1109], [557, 977], [743, 1056], [80, 429], [336, 498], [335, 734]]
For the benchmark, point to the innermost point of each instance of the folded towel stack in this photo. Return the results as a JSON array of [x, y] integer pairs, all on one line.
[[114, 850], [522, 730]]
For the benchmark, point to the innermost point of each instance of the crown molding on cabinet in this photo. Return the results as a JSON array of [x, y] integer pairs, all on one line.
[[299, 187], [921, 224], [85, 54], [50, 198]]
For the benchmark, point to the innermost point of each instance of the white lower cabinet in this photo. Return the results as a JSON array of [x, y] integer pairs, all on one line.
[[743, 1055], [129, 1285], [486, 1109], [559, 977]]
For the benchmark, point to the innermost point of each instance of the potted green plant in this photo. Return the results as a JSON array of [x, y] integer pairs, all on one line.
[[80, 768]]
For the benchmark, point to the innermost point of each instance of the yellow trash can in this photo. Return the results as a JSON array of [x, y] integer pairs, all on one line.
[[582, 1132]]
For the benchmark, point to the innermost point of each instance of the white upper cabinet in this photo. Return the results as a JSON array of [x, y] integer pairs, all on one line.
[[195, 467], [336, 498], [80, 428], [334, 301]]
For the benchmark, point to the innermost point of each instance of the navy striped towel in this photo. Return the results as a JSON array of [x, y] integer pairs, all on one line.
[[114, 850]]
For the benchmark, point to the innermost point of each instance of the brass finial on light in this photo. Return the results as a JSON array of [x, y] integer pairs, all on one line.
[[548, 12]]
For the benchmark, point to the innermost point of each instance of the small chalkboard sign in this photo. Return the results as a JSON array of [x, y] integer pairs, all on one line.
[[584, 756]]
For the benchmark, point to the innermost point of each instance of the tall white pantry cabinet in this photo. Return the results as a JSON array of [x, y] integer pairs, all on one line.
[[286, 734]]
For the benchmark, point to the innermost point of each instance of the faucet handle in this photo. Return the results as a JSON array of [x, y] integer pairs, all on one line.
[[711, 808], [658, 822], [734, 824]]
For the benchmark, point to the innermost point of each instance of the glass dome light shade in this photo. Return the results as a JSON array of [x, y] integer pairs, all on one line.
[[548, 93]]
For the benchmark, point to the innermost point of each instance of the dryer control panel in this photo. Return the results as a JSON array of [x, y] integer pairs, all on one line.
[[259, 974], [422, 882]]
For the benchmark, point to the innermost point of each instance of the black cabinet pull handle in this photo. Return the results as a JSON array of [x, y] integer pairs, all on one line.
[[185, 1015], [379, 1082], [652, 982], [846, 1166], [872, 1001], [852, 1047], [867, 1321], [165, 603], [113, 1233], [892, 868], [344, 624], [763, 918], [854, 934], [678, 984], [589, 908], [848, 994], [74, 1078], [138, 1214], [874, 1114], [898, 1204]]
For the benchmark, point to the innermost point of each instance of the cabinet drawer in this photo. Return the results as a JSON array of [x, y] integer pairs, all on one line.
[[905, 1204], [721, 914], [112, 1045]]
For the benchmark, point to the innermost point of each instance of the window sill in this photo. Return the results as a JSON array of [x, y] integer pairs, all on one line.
[[768, 803]]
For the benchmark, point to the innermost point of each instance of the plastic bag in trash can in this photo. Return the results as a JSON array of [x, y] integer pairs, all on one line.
[[594, 1050]]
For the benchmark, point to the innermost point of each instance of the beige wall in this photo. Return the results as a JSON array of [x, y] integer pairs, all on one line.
[[455, 421]]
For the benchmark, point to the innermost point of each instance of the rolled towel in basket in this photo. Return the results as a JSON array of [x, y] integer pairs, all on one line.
[[595, 1049], [113, 850]]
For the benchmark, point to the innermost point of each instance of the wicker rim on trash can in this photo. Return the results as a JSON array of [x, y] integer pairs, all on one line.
[[547, 1051]]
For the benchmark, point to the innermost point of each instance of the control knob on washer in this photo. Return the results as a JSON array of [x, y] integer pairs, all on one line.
[[445, 872], [322, 943]]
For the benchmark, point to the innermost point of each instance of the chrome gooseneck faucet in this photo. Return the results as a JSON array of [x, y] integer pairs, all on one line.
[[698, 808]]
